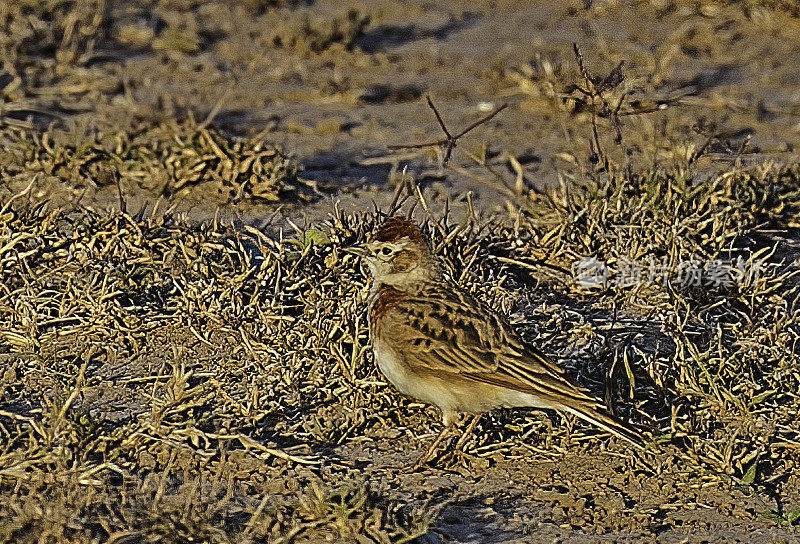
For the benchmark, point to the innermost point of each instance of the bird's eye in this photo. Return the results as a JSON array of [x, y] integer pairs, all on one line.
[[386, 251]]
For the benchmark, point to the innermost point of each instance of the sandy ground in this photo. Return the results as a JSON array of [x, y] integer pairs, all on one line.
[[715, 75], [714, 79]]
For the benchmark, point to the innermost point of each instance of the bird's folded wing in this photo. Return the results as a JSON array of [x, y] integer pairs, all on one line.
[[458, 337]]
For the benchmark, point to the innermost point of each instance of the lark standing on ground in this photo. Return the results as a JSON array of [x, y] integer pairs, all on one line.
[[435, 343]]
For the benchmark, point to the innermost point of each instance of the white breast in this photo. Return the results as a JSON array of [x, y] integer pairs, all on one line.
[[429, 391], [393, 370]]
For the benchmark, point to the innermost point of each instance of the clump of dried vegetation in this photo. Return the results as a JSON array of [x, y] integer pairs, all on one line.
[[160, 378], [63, 58], [168, 381], [158, 159]]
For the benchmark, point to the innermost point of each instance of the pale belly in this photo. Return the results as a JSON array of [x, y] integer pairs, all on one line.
[[455, 394]]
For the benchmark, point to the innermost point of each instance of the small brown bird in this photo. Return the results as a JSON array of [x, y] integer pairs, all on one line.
[[436, 344]]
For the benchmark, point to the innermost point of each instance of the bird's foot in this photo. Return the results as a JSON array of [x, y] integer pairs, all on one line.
[[450, 456], [430, 453]]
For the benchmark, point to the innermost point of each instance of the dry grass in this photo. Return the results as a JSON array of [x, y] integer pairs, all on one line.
[[163, 380], [178, 381], [159, 376], [157, 159], [66, 57]]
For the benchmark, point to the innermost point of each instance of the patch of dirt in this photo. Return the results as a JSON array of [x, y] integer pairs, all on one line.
[[335, 84], [210, 379]]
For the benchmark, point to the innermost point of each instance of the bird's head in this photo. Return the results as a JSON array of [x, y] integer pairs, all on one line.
[[399, 256]]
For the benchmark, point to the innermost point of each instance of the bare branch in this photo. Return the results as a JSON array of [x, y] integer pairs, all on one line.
[[438, 117], [449, 143]]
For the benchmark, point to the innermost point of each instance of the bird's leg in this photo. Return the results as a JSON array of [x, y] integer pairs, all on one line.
[[468, 432], [432, 449], [447, 420]]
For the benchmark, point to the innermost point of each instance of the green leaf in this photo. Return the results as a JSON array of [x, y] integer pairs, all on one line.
[[315, 237], [750, 476]]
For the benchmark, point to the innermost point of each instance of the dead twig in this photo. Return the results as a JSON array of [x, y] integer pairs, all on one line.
[[448, 143], [595, 89]]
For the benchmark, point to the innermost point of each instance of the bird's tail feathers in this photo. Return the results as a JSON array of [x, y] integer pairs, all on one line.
[[608, 423]]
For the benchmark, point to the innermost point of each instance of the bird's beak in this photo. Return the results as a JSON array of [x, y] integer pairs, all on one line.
[[360, 250]]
